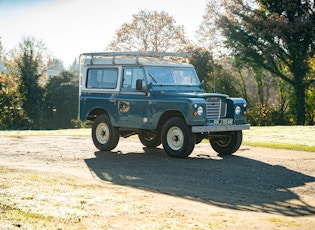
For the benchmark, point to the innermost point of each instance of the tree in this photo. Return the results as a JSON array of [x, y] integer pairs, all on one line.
[[11, 115], [310, 95], [209, 34], [61, 94], [74, 67], [266, 96], [28, 60], [54, 67], [278, 36], [216, 78], [10, 105], [150, 31], [203, 62]]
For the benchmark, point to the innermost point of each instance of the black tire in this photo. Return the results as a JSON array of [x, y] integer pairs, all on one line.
[[150, 140], [199, 138], [105, 137], [229, 144], [177, 139]]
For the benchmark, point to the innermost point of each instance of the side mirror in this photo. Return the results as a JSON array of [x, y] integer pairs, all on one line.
[[139, 84]]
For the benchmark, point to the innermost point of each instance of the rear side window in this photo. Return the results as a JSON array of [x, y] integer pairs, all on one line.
[[102, 78]]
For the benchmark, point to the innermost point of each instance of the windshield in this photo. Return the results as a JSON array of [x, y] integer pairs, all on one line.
[[172, 76]]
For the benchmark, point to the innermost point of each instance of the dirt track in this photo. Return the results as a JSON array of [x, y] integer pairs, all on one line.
[[65, 183]]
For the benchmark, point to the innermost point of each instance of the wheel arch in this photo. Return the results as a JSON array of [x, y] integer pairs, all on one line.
[[167, 115], [97, 112]]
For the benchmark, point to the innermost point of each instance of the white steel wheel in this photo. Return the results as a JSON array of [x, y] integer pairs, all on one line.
[[105, 136], [102, 133], [175, 138]]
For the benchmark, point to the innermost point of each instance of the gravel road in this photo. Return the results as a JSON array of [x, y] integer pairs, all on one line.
[[65, 183]]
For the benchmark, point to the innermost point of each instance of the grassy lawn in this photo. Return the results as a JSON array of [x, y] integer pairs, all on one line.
[[60, 132], [300, 138]]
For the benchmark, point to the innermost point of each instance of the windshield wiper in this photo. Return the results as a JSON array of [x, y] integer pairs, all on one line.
[[152, 77]]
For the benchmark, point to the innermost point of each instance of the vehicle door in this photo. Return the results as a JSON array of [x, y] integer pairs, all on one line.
[[132, 103]]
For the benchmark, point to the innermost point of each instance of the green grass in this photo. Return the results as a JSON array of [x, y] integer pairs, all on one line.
[[282, 222], [301, 138], [60, 132], [27, 220]]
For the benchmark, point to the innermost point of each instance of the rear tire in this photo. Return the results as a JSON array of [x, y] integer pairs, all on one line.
[[149, 140], [105, 136], [177, 139], [229, 144]]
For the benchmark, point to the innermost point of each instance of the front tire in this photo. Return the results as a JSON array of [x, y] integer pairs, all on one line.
[[177, 139], [105, 136], [229, 144]]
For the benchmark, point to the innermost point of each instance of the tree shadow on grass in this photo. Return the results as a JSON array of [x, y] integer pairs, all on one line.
[[232, 182]]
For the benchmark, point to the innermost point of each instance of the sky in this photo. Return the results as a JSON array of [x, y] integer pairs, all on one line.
[[71, 27]]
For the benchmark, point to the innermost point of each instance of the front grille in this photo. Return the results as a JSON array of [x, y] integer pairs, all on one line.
[[215, 108]]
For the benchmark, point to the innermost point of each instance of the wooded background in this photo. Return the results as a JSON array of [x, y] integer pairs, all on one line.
[[261, 50]]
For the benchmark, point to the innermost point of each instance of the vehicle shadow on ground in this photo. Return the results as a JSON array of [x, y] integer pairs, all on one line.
[[231, 182]]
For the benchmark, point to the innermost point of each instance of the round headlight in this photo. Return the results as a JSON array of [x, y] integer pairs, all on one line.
[[200, 110], [238, 110]]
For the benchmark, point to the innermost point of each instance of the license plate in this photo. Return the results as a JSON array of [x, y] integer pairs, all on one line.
[[223, 122]]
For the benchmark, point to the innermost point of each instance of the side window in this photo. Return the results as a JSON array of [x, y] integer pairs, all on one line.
[[102, 78], [130, 77]]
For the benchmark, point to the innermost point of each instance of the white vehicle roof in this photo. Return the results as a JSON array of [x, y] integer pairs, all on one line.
[[135, 58]]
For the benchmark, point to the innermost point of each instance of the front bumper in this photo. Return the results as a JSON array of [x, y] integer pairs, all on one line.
[[218, 128]]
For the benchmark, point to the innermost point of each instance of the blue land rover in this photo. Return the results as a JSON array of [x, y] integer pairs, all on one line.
[[160, 99]]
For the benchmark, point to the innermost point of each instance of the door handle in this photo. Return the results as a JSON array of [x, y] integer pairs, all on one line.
[[123, 106]]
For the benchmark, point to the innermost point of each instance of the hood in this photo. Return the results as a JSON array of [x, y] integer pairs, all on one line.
[[183, 91], [170, 94]]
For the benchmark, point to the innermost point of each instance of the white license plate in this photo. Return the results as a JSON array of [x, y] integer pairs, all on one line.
[[223, 122]]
